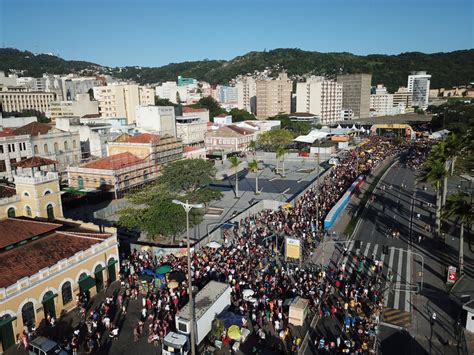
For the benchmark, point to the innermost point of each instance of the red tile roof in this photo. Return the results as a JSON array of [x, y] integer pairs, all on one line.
[[34, 162], [192, 109], [28, 259], [14, 230], [6, 132], [114, 162], [142, 138], [33, 128]]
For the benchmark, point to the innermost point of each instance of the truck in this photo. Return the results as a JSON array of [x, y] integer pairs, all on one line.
[[208, 302]]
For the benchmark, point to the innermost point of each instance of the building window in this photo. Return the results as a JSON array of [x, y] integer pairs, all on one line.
[[1, 149], [46, 150], [126, 183], [35, 149], [11, 212], [74, 145], [65, 145], [66, 291], [145, 175], [103, 183], [56, 147], [28, 314], [28, 211], [26, 194], [3, 167], [80, 182]]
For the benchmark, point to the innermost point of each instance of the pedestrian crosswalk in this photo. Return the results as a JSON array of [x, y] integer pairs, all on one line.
[[397, 293]]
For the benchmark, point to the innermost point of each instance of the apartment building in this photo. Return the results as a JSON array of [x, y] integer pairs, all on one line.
[[19, 99], [13, 149], [191, 130], [320, 97], [227, 94], [356, 93], [381, 102], [402, 99], [274, 96], [121, 101], [247, 94], [171, 91], [73, 86], [159, 119], [81, 106], [419, 87]]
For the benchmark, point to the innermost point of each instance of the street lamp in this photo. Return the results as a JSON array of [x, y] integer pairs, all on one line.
[[187, 208]]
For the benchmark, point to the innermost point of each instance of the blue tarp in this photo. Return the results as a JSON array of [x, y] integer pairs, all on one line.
[[230, 318]]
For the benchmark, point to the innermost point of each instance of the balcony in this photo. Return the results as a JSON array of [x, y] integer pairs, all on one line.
[[39, 177]]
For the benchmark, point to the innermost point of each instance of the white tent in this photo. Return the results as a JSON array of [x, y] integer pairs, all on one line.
[[313, 136]]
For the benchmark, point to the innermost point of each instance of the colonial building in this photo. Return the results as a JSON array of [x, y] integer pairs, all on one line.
[[45, 264], [229, 138]]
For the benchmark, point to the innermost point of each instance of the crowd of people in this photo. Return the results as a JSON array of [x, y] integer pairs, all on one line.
[[355, 298]]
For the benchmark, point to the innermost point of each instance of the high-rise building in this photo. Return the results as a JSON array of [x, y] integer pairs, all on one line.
[[356, 93], [381, 102], [247, 94], [159, 119], [227, 94], [19, 99], [274, 96], [73, 86], [419, 87], [80, 107], [320, 97], [402, 99], [121, 101]]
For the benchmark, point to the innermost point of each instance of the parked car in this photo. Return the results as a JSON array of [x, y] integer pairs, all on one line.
[[45, 346]]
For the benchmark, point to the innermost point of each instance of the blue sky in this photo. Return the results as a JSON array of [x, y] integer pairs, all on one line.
[[157, 32]]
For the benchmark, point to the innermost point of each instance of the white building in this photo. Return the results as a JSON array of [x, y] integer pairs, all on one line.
[[13, 148], [160, 119], [191, 130], [381, 103], [419, 87], [227, 94], [247, 94], [14, 122], [121, 101], [19, 99], [320, 97], [73, 86], [223, 119], [202, 113], [402, 100], [171, 91], [80, 107]]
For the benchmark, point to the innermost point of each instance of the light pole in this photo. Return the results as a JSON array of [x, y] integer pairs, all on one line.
[[187, 208]]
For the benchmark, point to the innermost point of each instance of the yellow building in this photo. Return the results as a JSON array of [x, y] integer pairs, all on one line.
[[36, 192], [45, 264]]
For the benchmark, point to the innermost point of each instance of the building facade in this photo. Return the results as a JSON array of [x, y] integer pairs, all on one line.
[[80, 107], [402, 99], [191, 130], [419, 87], [159, 119], [247, 94], [381, 102], [81, 258], [356, 93], [121, 101], [274, 96], [320, 97], [229, 138], [17, 101]]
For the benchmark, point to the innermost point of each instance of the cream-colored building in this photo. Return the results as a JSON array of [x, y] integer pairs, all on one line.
[[52, 143], [118, 101], [45, 265], [19, 100], [247, 94], [321, 97], [191, 130], [402, 99], [80, 107], [381, 102], [274, 96]]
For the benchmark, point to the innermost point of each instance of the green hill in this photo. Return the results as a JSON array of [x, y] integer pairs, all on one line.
[[447, 69]]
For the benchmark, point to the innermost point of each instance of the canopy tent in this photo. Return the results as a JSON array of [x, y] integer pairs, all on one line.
[[163, 269], [234, 332], [230, 318], [311, 137], [213, 245]]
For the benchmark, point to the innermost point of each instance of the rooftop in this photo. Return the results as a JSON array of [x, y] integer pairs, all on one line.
[[91, 115], [192, 109], [229, 131], [114, 162], [34, 162], [204, 299], [30, 258], [13, 230], [33, 129], [139, 138]]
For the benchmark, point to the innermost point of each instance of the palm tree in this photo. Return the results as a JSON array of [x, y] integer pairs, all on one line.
[[459, 205], [280, 153], [438, 153], [453, 148], [253, 147], [253, 167], [433, 172], [234, 162]]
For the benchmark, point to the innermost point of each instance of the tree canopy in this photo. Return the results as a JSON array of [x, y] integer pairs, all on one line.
[[163, 102], [275, 139], [212, 105], [241, 115], [296, 128], [28, 113]]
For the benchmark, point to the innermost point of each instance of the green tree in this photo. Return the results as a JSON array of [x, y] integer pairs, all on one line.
[[433, 172], [241, 115], [276, 138], [163, 102], [253, 147], [459, 205], [156, 215], [234, 163], [211, 104], [29, 113], [253, 168]]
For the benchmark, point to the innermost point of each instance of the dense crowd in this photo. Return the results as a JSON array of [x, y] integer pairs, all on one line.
[[354, 297]]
